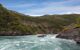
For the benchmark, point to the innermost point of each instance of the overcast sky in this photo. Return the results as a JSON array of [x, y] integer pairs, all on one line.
[[42, 7]]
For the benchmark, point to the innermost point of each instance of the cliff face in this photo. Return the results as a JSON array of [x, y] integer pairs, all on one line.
[[14, 23]]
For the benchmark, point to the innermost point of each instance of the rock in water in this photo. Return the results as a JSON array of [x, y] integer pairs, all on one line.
[[41, 35]]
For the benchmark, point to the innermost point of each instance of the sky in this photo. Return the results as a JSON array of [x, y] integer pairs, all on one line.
[[43, 7]]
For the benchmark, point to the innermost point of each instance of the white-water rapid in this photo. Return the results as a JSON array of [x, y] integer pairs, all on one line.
[[32, 42]]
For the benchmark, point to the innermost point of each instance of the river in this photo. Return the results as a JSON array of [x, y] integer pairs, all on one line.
[[32, 42]]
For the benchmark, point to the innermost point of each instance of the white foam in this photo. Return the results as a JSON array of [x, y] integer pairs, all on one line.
[[58, 48], [42, 39], [5, 47]]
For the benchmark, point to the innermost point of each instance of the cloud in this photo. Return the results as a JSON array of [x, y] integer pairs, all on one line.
[[49, 7], [52, 10], [55, 8]]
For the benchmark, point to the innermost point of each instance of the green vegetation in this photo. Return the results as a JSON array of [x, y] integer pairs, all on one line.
[[14, 23]]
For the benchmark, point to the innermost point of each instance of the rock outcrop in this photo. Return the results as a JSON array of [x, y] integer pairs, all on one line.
[[73, 34]]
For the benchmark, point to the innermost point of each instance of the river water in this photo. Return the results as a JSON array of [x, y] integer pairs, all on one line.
[[32, 42]]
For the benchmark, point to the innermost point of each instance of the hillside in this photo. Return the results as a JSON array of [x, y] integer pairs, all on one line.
[[14, 23]]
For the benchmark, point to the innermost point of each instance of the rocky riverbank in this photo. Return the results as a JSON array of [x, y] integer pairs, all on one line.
[[73, 34]]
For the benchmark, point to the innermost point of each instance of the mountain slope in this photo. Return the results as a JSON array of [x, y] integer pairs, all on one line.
[[14, 23]]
